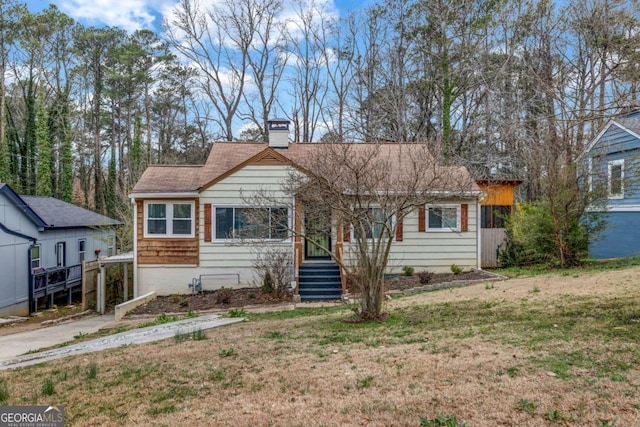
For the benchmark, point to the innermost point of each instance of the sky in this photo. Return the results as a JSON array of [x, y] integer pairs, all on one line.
[[133, 15]]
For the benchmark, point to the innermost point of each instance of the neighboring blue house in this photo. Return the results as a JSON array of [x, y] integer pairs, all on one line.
[[43, 242], [612, 161]]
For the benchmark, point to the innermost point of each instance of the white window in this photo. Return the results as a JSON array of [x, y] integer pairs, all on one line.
[[251, 223], [35, 256], [111, 243], [82, 245], [169, 219], [372, 222], [60, 254], [443, 218], [615, 181]]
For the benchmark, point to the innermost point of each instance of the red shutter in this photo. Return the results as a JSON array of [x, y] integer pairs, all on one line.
[[346, 233], [422, 223], [207, 222], [464, 217], [399, 226]]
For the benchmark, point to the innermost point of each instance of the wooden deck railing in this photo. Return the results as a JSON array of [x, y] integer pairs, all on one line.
[[48, 282]]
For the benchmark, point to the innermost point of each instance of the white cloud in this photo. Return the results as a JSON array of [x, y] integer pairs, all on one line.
[[129, 15]]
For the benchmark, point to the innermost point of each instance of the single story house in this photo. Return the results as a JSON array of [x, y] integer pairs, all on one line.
[[611, 160], [185, 218], [43, 242]]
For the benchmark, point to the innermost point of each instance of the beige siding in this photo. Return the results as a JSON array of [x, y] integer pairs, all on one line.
[[436, 250], [218, 257], [175, 279]]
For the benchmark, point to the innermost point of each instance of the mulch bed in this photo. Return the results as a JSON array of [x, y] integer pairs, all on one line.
[[235, 298]]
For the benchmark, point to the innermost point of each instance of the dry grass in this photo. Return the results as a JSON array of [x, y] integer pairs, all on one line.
[[567, 346]]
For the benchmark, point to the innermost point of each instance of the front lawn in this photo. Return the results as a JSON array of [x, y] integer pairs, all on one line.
[[537, 351]]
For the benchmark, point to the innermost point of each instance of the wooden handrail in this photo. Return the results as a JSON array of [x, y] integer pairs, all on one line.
[[343, 273], [296, 269]]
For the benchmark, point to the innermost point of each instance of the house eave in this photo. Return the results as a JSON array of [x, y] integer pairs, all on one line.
[[177, 195], [615, 208], [438, 193], [17, 233]]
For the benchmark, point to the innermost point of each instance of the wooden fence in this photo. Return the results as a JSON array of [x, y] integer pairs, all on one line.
[[493, 240], [114, 292]]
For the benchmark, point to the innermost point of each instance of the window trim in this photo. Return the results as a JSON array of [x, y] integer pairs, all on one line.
[[82, 254], [352, 230], [61, 249], [39, 246], [111, 245], [214, 223], [610, 165], [169, 219], [458, 227]]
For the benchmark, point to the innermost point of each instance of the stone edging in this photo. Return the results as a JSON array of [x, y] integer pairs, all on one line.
[[446, 285]]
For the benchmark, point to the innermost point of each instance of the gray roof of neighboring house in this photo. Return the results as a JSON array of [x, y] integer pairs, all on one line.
[[59, 214]]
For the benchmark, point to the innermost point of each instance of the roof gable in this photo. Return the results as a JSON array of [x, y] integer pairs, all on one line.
[[268, 156], [628, 123], [22, 205]]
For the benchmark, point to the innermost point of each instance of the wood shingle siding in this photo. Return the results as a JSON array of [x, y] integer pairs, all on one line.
[[162, 250]]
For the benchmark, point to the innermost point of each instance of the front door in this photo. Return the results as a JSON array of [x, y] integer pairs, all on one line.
[[318, 238]]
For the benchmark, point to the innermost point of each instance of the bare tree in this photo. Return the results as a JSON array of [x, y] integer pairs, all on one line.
[[363, 191], [266, 57], [210, 41], [307, 56]]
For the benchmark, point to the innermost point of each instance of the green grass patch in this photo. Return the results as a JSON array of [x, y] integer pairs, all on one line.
[[4, 390], [588, 266]]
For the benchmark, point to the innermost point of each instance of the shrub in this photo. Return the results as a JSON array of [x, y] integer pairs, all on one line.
[[456, 269], [425, 277], [267, 283], [275, 268], [408, 270], [532, 236], [223, 296]]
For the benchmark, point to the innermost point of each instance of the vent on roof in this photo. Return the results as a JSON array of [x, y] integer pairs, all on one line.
[[279, 133]]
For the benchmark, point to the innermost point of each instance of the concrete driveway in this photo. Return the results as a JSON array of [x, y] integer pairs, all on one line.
[[13, 347]]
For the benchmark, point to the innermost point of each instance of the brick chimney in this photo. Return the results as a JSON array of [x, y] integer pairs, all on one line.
[[279, 133]]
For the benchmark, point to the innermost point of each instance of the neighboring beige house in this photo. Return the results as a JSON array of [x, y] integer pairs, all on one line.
[[184, 216]]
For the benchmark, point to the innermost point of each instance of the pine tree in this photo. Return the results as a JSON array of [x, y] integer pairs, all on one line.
[[66, 168], [43, 142], [136, 151], [111, 190]]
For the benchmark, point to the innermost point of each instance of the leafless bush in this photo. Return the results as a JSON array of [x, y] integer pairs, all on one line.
[[425, 277], [274, 266]]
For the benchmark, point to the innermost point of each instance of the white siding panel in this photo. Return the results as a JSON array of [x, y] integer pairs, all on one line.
[[221, 256], [436, 251], [175, 279]]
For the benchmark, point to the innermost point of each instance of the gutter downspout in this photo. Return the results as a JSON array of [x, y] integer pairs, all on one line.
[[135, 248], [30, 270], [479, 233]]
